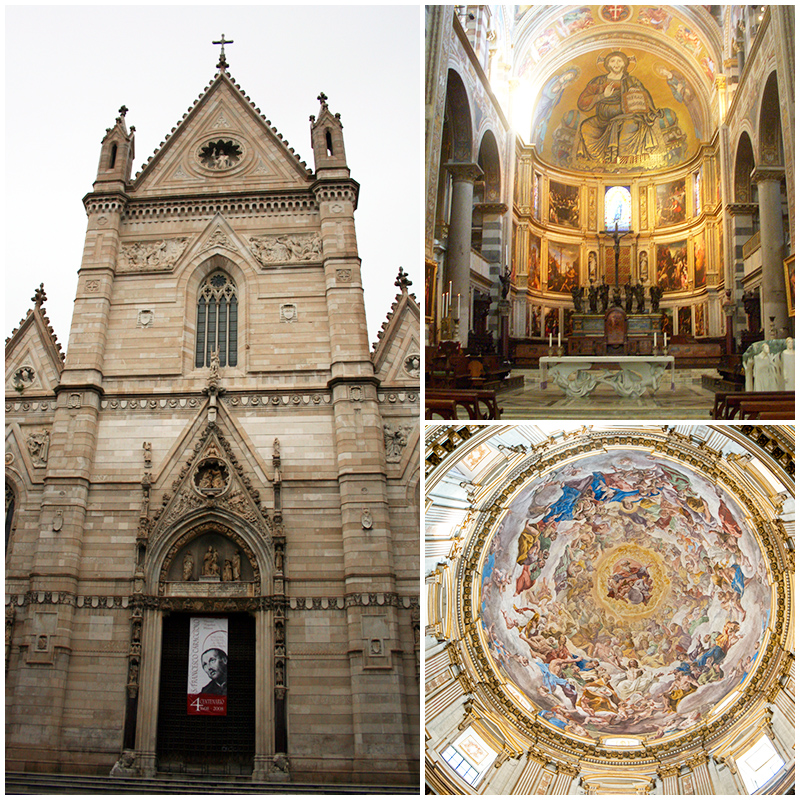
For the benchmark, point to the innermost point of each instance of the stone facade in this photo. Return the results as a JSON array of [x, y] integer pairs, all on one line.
[[291, 454]]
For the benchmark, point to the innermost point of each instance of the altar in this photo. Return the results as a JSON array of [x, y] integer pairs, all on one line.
[[628, 376]]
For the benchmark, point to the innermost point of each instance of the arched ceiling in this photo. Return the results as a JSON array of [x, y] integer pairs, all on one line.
[[616, 587], [657, 111]]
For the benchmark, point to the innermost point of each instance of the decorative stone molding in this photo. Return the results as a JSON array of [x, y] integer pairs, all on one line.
[[288, 312], [330, 192], [398, 397], [23, 378], [157, 256], [411, 364], [286, 248], [189, 402], [344, 275], [145, 318], [301, 204], [92, 286]]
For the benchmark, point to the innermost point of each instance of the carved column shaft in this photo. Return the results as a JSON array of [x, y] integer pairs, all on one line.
[[773, 288], [529, 777]]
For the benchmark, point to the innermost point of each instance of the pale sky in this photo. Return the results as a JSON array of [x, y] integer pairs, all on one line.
[[70, 68]]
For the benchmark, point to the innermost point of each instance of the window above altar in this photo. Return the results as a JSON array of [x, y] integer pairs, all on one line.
[[618, 207]]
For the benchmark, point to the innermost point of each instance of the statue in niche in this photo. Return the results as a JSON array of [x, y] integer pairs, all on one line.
[[210, 563], [188, 566], [279, 560], [236, 566], [211, 475], [227, 570], [616, 299]]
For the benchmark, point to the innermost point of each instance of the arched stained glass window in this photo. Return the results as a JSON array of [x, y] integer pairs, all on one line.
[[217, 321], [618, 208]]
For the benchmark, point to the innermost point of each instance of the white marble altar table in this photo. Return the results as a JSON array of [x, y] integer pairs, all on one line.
[[629, 376]]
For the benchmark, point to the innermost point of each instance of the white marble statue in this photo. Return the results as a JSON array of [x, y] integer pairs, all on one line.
[[787, 364], [767, 371]]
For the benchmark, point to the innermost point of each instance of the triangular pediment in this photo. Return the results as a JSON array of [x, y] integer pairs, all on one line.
[[397, 355], [33, 361], [222, 144], [212, 477]]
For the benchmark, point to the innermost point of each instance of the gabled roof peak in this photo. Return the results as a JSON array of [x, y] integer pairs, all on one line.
[[222, 76]]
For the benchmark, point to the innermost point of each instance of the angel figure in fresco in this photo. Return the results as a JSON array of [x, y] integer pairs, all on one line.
[[625, 116], [551, 97]]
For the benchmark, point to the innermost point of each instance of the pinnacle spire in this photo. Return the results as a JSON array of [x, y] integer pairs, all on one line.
[[222, 41]]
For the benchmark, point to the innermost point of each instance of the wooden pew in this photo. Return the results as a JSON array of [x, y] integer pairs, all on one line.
[[446, 409], [478, 403], [766, 409], [726, 404]]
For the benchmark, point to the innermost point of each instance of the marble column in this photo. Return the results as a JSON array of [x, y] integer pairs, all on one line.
[[565, 775], [459, 241], [669, 779], [702, 777], [773, 287]]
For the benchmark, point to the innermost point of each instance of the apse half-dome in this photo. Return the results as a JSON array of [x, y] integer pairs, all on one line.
[[623, 594]]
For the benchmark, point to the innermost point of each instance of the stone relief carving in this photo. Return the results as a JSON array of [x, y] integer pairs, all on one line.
[[411, 365], [38, 446], [188, 566], [145, 318], [74, 401], [286, 248], [144, 256], [366, 519], [344, 275], [212, 477], [218, 239], [23, 378], [395, 441], [220, 155], [92, 286], [288, 312], [210, 563]]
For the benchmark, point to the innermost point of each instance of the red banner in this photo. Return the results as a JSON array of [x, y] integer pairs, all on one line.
[[207, 689]]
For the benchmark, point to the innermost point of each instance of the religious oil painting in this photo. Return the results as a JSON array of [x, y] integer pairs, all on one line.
[[563, 261], [564, 207], [700, 320], [699, 261], [670, 203], [672, 271], [623, 594], [534, 261], [685, 321]]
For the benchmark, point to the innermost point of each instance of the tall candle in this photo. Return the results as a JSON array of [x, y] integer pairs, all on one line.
[[665, 339], [551, 338], [655, 340], [559, 338], [458, 312]]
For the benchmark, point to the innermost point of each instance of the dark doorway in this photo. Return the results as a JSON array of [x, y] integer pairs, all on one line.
[[205, 744]]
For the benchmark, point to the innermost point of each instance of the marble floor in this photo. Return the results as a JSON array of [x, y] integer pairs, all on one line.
[[689, 400]]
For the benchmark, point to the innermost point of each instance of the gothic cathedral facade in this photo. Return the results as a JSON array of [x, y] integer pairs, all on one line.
[[220, 451]]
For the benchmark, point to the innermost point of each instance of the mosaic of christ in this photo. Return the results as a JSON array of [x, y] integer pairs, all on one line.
[[623, 594], [598, 115]]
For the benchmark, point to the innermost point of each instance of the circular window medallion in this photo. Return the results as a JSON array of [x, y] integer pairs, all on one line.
[[220, 155], [212, 477], [23, 377]]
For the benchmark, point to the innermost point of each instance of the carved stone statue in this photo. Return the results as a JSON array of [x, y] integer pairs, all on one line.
[[655, 297], [148, 455], [577, 298], [236, 566], [628, 297], [616, 299], [395, 442], [188, 566], [227, 570], [210, 563]]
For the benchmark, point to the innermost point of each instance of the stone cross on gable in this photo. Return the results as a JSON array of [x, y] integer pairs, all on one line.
[[222, 41]]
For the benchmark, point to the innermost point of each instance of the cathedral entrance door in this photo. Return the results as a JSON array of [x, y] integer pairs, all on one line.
[[198, 743]]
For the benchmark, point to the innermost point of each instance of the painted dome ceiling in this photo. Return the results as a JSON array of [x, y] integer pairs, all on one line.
[[618, 89], [623, 594]]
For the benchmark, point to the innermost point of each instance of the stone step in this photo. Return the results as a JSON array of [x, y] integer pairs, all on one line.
[[39, 783]]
